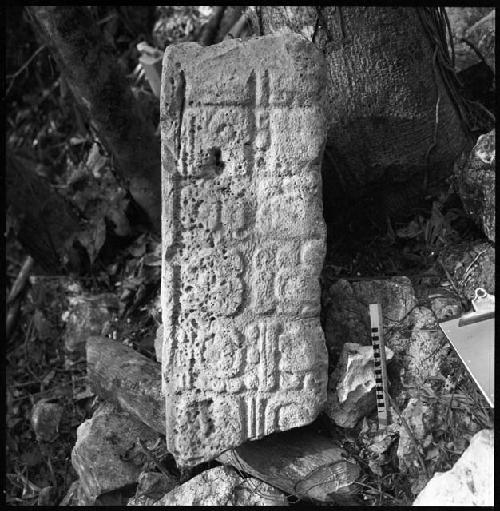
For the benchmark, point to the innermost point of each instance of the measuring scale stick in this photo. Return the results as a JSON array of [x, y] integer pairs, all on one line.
[[380, 364]]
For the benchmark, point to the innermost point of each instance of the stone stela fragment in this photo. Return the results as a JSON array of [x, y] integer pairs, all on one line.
[[243, 129]]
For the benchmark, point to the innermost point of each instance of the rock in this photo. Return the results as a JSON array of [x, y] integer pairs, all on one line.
[[482, 36], [300, 462], [106, 455], [45, 418], [445, 305], [87, 315], [411, 332], [471, 480], [243, 129], [469, 265], [345, 306], [223, 486], [74, 496], [351, 387], [427, 348], [152, 486], [475, 182], [462, 19]]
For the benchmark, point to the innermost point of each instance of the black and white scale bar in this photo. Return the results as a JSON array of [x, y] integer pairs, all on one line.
[[380, 364]]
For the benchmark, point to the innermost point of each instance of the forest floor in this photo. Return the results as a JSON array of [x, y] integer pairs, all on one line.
[[43, 122]]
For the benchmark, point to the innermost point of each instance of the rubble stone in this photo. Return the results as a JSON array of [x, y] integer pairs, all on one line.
[[475, 180], [222, 486], [351, 387], [152, 486], [243, 130], [106, 455], [462, 19], [482, 36], [471, 480]]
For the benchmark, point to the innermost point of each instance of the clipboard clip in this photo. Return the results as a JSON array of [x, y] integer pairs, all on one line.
[[484, 308]]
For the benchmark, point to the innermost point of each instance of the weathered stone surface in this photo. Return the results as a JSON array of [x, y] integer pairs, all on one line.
[[445, 306], [475, 181], [300, 462], [243, 130], [471, 480], [106, 455], [351, 387], [151, 487], [45, 419], [469, 265], [223, 486]]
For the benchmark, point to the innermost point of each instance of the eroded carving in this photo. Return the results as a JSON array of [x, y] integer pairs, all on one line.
[[243, 242]]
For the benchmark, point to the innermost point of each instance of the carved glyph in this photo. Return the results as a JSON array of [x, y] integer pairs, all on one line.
[[243, 241]]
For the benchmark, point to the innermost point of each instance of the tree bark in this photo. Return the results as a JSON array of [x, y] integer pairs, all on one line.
[[47, 223], [97, 81], [383, 94], [128, 379]]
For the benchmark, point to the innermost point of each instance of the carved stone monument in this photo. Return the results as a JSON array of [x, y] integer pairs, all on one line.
[[243, 130]]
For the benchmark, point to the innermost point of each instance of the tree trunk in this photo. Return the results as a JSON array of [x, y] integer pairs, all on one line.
[[97, 81], [383, 94], [46, 221]]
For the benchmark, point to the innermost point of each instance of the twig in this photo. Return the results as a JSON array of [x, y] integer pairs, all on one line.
[[13, 76], [436, 120], [464, 278], [13, 300], [21, 279], [381, 492]]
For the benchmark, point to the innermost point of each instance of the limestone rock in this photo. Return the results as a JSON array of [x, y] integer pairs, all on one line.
[[482, 36], [470, 265], [475, 180], [462, 19], [243, 130], [427, 347], [471, 480], [445, 306], [45, 419], [152, 486], [351, 387], [300, 462], [106, 455], [222, 486]]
